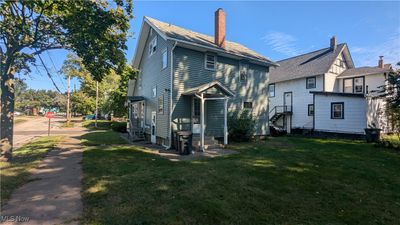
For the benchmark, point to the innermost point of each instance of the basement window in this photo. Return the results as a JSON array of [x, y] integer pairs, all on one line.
[[247, 105], [210, 61]]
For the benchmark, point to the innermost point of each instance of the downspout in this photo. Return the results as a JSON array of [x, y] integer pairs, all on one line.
[[170, 92]]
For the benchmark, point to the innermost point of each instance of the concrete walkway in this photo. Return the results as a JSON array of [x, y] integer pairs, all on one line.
[[54, 195]]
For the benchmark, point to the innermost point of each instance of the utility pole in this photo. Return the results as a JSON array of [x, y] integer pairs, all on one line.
[[68, 100], [97, 103]]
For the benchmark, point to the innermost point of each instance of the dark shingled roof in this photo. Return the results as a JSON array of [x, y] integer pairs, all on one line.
[[306, 65], [183, 34], [366, 70]]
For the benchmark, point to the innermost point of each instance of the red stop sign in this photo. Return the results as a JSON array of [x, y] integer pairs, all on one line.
[[50, 115]]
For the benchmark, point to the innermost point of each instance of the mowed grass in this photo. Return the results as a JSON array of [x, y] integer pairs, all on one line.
[[285, 180], [15, 173], [102, 137]]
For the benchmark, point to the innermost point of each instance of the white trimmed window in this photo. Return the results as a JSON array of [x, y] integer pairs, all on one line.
[[154, 92], [243, 73], [311, 82], [271, 90], [161, 104], [164, 59], [337, 110], [359, 85], [348, 85], [153, 46], [210, 61]]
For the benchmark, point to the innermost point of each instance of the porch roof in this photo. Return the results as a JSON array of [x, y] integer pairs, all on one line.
[[135, 98], [204, 87]]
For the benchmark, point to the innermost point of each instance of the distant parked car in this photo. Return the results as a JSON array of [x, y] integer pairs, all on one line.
[[17, 113], [92, 117]]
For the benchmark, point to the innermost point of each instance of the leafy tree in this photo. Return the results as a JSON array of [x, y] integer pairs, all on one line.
[[392, 93], [241, 125], [74, 67], [116, 102], [95, 30]]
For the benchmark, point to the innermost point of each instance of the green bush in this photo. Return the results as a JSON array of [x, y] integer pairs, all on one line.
[[241, 126], [101, 124], [119, 126]]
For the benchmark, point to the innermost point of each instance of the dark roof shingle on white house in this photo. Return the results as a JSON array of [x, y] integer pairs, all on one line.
[[191, 37], [366, 70], [310, 64]]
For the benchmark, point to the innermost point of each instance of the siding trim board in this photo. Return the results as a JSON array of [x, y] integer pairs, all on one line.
[[338, 94]]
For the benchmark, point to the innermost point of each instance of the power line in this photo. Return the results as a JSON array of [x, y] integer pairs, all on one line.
[[48, 74], [54, 66]]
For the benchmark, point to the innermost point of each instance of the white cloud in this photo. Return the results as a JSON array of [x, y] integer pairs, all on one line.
[[281, 42], [369, 55]]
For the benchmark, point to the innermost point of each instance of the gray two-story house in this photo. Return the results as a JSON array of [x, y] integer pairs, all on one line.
[[190, 81]]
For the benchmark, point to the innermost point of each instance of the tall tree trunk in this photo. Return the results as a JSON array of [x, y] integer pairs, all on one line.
[[7, 113]]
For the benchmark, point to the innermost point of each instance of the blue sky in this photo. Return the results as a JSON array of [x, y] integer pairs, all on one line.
[[277, 30]]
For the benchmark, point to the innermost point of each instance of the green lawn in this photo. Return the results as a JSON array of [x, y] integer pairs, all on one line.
[[102, 137], [16, 173], [279, 181]]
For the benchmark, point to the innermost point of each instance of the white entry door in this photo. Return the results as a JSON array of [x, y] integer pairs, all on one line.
[[287, 101], [153, 126]]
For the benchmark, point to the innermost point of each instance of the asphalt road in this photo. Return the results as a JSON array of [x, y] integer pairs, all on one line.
[[38, 126]]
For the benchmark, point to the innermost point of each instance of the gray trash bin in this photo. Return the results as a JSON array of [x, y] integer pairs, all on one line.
[[184, 142]]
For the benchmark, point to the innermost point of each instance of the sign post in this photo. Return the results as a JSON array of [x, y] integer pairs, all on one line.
[[49, 115]]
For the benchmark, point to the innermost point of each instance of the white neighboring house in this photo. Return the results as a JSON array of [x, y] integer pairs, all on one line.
[[323, 92]]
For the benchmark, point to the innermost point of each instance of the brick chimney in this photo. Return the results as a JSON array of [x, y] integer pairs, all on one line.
[[333, 43], [220, 28], [380, 62]]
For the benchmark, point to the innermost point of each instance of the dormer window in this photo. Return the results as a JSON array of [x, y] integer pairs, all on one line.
[[153, 46], [210, 61]]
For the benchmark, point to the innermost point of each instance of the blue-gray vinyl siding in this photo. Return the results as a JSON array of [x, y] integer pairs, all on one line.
[[152, 75], [189, 71]]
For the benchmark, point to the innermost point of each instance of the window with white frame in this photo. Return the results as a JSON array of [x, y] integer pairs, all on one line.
[[164, 59], [337, 110], [243, 73], [271, 90], [310, 109], [348, 85], [154, 92], [161, 104], [153, 46], [196, 111], [311, 82], [210, 61], [359, 85]]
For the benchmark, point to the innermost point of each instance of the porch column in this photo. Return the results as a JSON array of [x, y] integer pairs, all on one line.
[[225, 121], [202, 123]]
